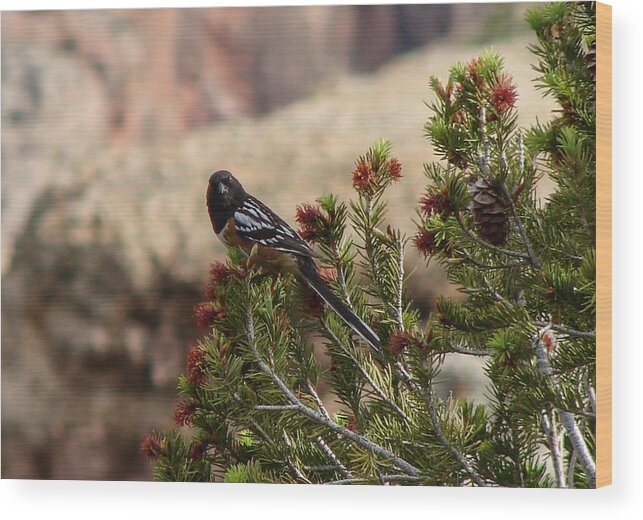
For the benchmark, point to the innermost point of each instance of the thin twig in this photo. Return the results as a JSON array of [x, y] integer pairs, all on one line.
[[435, 422], [404, 375], [480, 265], [275, 407], [573, 432], [586, 414], [483, 154], [455, 349], [503, 162], [576, 258], [496, 295], [371, 263], [591, 395], [397, 478], [327, 467], [341, 278], [486, 244], [331, 455], [521, 230], [400, 284], [553, 441], [345, 481], [255, 425], [558, 328], [570, 469], [483, 159], [264, 435], [574, 456], [427, 397], [365, 375], [368, 246], [566, 330], [320, 403], [317, 416], [385, 478], [521, 154], [293, 467]]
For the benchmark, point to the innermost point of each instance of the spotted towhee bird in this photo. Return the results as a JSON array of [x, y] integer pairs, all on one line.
[[239, 219]]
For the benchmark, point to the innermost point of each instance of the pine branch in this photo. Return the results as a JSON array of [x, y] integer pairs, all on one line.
[[256, 427], [380, 393], [521, 153], [269, 440], [484, 243], [384, 478], [533, 260], [318, 417], [566, 254], [496, 295], [327, 467], [574, 456], [435, 422], [456, 349], [371, 262], [483, 162], [553, 442], [346, 481], [483, 154], [580, 447], [582, 413], [275, 407], [571, 469], [591, 395], [341, 277], [573, 432], [480, 265], [558, 328], [320, 403], [566, 330], [293, 467], [331, 455], [370, 254], [427, 398], [400, 284]]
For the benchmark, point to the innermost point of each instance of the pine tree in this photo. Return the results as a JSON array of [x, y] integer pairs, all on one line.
[[525, 266]]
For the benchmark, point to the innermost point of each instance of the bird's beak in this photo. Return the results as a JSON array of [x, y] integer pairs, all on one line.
[[222, 188]]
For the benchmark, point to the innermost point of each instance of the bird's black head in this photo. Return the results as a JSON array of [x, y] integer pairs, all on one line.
[[225, 193]]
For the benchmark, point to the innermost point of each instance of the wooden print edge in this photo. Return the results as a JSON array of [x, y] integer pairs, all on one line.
[[604, 244]]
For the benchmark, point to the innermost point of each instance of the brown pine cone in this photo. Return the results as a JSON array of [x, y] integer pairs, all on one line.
[[489, 208]]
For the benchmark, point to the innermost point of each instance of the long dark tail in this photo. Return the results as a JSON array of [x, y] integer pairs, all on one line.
[[310, 273]]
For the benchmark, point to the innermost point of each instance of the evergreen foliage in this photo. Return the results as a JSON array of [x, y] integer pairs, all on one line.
[[525, 266]]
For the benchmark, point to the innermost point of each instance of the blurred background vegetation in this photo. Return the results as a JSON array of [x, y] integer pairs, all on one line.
[[112, 122]]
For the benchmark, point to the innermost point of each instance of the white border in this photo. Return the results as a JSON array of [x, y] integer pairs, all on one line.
[[110, 500]]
